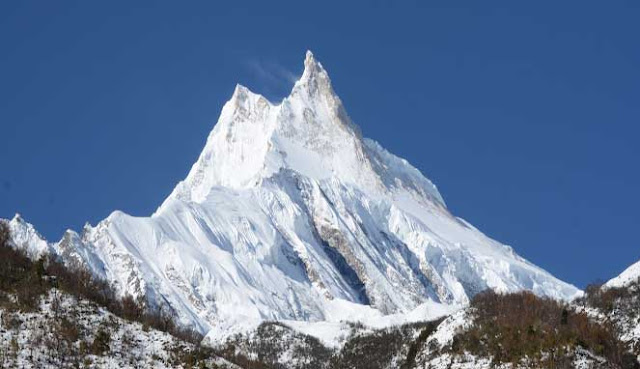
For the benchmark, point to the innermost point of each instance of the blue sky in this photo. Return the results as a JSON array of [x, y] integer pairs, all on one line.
[[525, 114]]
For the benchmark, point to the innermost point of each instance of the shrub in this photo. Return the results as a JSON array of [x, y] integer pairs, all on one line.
[[620, 305], [101, 341], [512, 327]]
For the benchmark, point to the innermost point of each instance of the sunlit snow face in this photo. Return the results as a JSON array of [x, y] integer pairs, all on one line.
[[289, 214]]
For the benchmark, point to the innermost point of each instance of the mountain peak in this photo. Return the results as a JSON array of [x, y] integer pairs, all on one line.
[[309, 133], [310, 62], [241, 95], [309, 56], [17, 218], [240, 91], [315, 79]]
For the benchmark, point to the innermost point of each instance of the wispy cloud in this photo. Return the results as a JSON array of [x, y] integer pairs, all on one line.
[[274, 77]]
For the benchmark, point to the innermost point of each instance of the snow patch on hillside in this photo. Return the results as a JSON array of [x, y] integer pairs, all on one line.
[[631, 274]]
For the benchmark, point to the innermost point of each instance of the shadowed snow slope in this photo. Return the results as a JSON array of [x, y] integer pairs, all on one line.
[[289, 214]]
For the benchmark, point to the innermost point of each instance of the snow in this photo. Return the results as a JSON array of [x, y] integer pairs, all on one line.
[[335, 330], [130, 344], [631, 274], [450, 327], [290, 214], [25, 237]]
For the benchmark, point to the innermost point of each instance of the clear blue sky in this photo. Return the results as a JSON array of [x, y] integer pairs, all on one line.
[[525, 114]]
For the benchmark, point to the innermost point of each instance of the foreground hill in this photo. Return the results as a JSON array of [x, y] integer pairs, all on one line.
[[617, 302], [518, 330]]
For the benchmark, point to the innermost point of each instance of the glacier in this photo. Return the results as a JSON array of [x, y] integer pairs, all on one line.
[[290, 214]]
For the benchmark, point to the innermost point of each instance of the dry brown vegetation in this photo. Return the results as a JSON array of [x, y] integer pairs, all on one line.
[[512, 328], [620, 307], [608, 300]]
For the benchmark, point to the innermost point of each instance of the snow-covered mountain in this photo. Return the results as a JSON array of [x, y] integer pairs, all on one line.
[[631, 274], [290, 214]]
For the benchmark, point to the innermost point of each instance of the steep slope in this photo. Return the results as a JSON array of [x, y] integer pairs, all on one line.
[[628, 276], [289, 214]]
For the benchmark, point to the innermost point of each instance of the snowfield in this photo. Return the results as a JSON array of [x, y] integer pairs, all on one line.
[[289, 214]]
